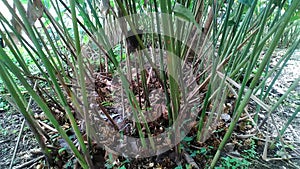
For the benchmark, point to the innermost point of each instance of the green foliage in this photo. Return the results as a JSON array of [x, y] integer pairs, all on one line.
[[62, 150], [188, 139], [110, 163], [233, 163], [4, 106], [3, 131], [246, 2], [179, 167], [296, 16], [122, 167], [232, 47], [250, 153], [185, 14], [244, 162], [186, 166], [24, 1], [194, 152], [107, 103]]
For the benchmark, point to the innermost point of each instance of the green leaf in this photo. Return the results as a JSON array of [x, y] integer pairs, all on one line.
[[47, 3], [277, 2], [185, 14], [188, 139], [188, 166], [122, 167], [203, 150], [246, 2], [24, 1], [81, 2], [295, 17], [194, 153], [231, 23], [61, 150], [179, 167]]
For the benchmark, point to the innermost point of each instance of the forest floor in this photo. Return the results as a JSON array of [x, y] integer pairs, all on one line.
[[28, 154]]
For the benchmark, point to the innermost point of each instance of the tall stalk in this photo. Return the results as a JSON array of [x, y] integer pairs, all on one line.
[[283, 22]]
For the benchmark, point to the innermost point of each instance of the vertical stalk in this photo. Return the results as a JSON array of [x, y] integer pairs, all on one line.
[[283, 22], [82, 88]]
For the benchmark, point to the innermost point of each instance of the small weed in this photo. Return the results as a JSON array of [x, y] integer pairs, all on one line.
[[3, 131], [232, 163], [250, 153], [4, 106], [187, 166], [111, 163], [105, 103]]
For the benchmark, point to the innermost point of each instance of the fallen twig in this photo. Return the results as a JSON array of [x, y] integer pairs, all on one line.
[[29, 162]]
